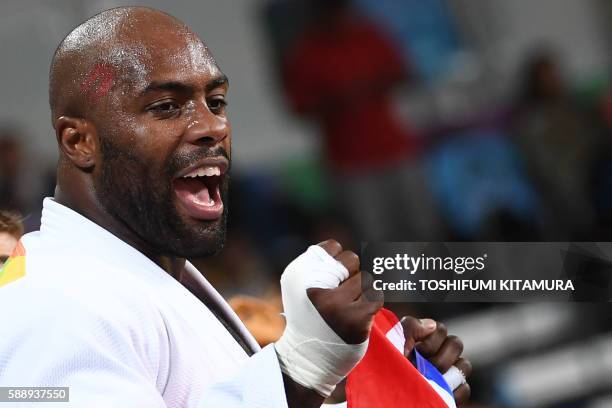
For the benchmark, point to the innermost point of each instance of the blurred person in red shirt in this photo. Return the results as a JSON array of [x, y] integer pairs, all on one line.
[[341, 74]]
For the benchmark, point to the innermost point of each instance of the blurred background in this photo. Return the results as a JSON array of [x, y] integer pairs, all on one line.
[[382, 120]]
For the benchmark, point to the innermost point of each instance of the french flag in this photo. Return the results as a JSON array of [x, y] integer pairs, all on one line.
[[385, 378]]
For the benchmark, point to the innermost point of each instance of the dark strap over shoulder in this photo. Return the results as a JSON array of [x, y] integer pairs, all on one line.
[[195, 282]]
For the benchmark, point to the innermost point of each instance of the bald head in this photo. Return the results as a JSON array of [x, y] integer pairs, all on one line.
[[110, 51], [138, 103]]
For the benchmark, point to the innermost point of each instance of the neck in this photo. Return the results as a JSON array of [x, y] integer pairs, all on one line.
[[91, 209]]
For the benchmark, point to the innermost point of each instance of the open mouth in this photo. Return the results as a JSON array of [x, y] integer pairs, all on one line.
[[199, 190]]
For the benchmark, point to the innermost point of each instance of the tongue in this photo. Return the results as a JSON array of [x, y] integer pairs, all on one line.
[[202, 194], [199, 199], [197, 189]]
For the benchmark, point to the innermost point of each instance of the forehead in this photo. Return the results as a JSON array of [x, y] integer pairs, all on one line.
[[165, 54]]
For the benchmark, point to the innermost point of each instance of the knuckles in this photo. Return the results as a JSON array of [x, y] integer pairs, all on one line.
[[441, 329], [462, 394], [332, 246], [464, 365], [350, 321], [350, 318], [349, 259], [408, 324], [456, 344]]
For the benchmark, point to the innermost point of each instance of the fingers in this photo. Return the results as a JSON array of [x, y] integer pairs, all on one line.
[[441, 350], [465, 366], [356, 314], [449, 352], [462, 394], [416, 330], [350, 289], [429, 346], [370, 296], [354, 320], [350, 260], [360, 287], [331, 246], [345, 308]]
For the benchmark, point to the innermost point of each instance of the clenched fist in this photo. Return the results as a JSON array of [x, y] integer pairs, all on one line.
[[328, 317], [346, 310]]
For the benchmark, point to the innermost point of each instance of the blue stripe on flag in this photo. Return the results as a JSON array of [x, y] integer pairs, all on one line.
[[430, 372]]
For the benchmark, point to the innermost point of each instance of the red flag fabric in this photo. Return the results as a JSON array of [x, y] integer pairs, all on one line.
[[386, 378]]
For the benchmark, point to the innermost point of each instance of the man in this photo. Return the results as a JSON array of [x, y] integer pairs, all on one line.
[[107, 303], [11, 229]]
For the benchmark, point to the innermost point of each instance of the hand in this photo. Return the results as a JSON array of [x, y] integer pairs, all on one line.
[[328, 318], [347, 310], [432, 341]]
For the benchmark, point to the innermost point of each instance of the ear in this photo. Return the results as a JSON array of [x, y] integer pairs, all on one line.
[[78, 140]]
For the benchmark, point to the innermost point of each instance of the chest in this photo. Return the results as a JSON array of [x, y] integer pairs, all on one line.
[[200, 350]]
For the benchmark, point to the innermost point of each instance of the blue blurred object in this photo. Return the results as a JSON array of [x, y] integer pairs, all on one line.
[[477, 173], [424, 28]]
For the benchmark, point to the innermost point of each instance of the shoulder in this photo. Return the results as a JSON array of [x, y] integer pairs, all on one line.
[[59, 320], [66, 291]]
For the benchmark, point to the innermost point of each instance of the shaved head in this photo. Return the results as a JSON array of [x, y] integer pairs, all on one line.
[[138, 108], [110, 51]]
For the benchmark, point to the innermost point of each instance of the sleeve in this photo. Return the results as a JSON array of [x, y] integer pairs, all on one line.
[[257, 384]]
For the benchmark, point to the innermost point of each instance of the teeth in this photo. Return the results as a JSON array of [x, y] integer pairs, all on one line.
[[207, 171]]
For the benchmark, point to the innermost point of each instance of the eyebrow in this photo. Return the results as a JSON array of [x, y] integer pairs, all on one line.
[[178, 86], [216, 82]]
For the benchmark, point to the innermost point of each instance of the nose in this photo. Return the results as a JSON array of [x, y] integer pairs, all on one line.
[[206, 128]]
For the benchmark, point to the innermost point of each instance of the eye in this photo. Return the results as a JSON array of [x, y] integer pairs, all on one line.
[[217, 104], [164, 108]]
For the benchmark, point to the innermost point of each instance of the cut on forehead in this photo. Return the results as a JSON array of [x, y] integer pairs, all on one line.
[[117, 41]]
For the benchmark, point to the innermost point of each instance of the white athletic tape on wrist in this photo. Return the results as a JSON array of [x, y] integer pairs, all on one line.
[[309, 351], [454, 377]]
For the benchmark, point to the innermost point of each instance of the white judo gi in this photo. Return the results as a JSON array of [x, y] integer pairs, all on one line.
[[83, 309]]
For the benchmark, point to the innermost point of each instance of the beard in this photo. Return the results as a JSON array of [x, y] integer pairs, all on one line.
[[145, 202]]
